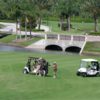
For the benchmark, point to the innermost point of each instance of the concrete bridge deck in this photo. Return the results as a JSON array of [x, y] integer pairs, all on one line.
[[60, 42]]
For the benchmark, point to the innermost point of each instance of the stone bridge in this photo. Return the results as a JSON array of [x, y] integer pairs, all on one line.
[[68, 43]]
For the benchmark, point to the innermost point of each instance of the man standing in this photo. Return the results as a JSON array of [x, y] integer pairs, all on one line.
[[55, 69]]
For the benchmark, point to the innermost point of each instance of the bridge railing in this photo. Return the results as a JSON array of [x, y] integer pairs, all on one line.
[[78, 38], [65, 37], [51, 36]]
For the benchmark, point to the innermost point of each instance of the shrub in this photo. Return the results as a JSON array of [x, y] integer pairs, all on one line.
[[94, 33], [64, 26], [31, 21]]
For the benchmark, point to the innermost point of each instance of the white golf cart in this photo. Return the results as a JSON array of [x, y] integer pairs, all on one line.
[[89, 67]]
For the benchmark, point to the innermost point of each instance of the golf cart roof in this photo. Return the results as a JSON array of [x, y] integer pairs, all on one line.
[[88, 60]]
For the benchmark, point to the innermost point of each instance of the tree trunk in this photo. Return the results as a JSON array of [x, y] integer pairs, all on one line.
[[68, 23], [16, 29], [95, 24], [20, 29], [30, 29], [61, 23], [39, 23], [25, 28]]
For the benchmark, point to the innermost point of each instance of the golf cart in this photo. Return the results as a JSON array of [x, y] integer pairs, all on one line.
[[36, 66], [89, 67]]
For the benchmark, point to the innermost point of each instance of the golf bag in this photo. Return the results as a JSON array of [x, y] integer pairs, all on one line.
[[26, 70]]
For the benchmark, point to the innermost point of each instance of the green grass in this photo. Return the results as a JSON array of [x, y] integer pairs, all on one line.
[[94, 33], [92, 46], [7, 20], [1, 26], [28, 42], [78, 28], [14, 85], [10, 40]]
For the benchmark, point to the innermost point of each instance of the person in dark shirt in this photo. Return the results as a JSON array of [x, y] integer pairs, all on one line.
[[29, 64]]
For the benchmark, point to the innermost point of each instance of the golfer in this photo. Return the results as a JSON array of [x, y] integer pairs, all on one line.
[[55, 69]]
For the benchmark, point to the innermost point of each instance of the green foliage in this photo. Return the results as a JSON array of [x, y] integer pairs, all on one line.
[[51, 10], [94, 33], [92, 8], [69, 7], [51, 18], [80, 19], [31, 21]]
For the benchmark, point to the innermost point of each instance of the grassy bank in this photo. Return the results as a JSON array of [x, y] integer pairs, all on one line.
[[1, 26], [14, 85], [11, 39], [92, 47]]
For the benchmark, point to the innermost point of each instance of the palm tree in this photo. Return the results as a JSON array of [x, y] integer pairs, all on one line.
[[42, 7], [28, 12], [93, 9], [66, 9]]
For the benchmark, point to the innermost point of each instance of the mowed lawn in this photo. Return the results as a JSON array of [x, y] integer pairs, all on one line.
[[14, 85]]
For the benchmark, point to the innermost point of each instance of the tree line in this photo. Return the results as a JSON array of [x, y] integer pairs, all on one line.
[[33, 11]]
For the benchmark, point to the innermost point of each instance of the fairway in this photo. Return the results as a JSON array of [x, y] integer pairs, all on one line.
[[14, 85]]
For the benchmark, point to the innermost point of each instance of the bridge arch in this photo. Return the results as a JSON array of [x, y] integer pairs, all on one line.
[[53, 47], [73, 49]]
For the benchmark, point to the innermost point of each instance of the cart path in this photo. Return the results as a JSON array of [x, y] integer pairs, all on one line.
[[11, 27]]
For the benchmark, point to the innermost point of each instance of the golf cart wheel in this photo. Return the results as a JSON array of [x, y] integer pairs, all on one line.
[[78, 74], [84, 74], [98, 74]]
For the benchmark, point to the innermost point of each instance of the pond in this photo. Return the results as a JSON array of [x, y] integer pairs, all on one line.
[[4, 47]]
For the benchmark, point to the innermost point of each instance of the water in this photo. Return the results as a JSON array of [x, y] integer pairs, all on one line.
[[4, 47]]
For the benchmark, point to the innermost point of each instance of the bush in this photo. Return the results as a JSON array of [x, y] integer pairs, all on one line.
[[31, 21], [94, 33], [64, 26], [37, 30], [80, 19]]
